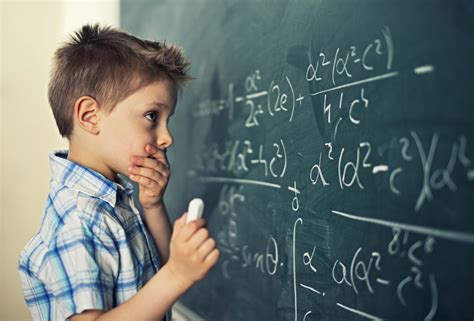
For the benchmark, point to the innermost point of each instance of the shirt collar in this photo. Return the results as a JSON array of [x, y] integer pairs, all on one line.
[[86, 180]]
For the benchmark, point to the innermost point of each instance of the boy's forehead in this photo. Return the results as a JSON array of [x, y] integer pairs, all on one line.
[[160, 93]]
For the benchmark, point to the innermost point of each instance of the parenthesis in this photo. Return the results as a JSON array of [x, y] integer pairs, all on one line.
[[334, 62], [268, 99], [284, 153], [389, 42], [293, 94], [352, 270], [434, 298], [339, 168]]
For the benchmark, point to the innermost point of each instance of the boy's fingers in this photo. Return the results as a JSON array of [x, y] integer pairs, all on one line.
[[151, 163], [155, 186], [182, 219], [188, 229], [178, 224], [158, 154], [147, 177], [198, 238], [207, 247], [212, 258]]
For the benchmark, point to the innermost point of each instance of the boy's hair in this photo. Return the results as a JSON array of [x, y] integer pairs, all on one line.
[[108, 65]]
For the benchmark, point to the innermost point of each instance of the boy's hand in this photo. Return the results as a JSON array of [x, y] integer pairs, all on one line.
[[192, 251], [152, 175]]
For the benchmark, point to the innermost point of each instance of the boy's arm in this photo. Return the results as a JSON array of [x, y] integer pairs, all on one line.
[[150, 303], [159, 226], [192, 255], [152, 174]]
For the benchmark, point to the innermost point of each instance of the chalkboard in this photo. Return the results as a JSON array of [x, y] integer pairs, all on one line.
[[333, 144]]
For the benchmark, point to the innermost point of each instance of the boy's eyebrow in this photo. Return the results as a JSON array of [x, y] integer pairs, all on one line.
[[157, 104], [161, 105]]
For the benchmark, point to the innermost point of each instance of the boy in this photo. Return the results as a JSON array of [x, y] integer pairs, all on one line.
[[95, 257]]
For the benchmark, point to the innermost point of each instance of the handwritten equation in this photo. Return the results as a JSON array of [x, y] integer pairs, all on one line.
[[414, 166]]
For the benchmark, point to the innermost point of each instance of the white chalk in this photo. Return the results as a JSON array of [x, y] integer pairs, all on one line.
[[195, 209]]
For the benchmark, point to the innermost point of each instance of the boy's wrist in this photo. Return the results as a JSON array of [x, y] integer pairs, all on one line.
[[182, 283], [159, 208]]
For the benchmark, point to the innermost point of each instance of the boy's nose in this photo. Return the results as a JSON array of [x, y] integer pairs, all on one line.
[[165, 140]]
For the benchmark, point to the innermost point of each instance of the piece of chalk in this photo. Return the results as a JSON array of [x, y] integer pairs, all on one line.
[[195, 209]]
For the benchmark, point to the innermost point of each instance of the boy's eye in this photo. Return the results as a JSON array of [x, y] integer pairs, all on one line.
[[152, 114]]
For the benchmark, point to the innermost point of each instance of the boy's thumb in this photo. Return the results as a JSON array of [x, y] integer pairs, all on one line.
[[178, 224]]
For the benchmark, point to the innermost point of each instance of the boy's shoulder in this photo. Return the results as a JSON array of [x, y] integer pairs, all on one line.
[[79, 207], [67, 213], [67, 210], [69, 220]]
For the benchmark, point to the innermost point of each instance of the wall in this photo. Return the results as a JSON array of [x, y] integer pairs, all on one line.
[[29, 33]]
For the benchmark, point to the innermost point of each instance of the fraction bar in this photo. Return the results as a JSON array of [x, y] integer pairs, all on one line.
[[384, 76], [444, 234], [211, 179]]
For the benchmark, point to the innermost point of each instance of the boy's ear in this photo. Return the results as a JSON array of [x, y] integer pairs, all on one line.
[[86, 114]]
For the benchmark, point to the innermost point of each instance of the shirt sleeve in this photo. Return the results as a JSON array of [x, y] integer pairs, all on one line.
[[80, 268]]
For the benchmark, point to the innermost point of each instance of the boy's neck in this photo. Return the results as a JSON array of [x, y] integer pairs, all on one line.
[[90, 159]]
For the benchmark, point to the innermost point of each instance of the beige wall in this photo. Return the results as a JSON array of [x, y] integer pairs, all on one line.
[[29, 33]]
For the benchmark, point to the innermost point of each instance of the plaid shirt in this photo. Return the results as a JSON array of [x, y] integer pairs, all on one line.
[[92, 250]]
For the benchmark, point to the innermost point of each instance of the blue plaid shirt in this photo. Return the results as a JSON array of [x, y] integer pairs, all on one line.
[[92, 250]]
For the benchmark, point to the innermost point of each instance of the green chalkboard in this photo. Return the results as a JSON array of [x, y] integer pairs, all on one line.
[[333, 144]]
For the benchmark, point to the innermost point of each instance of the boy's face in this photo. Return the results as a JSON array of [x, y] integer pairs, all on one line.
[[138, 120]]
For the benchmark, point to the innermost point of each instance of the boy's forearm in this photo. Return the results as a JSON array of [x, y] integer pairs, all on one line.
[[159, 226], [152, 301]]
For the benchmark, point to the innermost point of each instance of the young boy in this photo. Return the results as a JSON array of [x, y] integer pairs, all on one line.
[[95, 257]]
